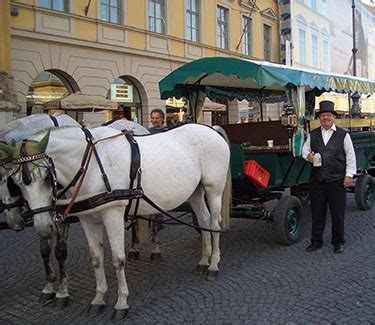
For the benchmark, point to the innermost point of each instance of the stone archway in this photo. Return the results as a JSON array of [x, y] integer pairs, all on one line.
[[48, 85], [131, 98]]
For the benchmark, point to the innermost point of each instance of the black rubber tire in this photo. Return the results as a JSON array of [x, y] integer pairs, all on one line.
[[364, 192], [302, 192], [287, 220]]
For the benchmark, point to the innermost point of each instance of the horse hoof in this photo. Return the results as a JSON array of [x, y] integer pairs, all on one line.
[[133, 256], [46, 298], [212, 275], [155, 257], [94, 310], [119, 314], [61, 303], [201, 269]]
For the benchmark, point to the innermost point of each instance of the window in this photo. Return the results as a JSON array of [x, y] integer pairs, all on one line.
[[222, 27], [325, 7], [246, 35], [313, 4], [156, 20], [314, 41], [110, 10], [302, 46], [267, 42], [59, 5], [325, 55], [192, 20]]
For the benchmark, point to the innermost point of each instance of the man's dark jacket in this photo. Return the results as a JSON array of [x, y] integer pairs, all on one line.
[[333, 156]]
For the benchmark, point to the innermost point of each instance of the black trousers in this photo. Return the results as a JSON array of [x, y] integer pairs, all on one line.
[[332, 195]]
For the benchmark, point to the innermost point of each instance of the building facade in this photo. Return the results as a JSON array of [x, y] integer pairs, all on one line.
[[318, 34], [121, 49]]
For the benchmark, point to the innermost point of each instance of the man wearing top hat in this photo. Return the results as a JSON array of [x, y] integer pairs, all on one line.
[[329, 181]]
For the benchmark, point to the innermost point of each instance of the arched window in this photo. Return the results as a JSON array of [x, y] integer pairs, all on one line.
[[126, 94], [48, 85]]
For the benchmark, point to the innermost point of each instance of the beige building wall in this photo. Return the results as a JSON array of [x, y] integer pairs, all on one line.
[[94, 52]]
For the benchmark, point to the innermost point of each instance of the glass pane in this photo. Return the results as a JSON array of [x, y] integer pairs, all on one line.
[[188, 4], [151, 24], [193, 5], [104, 12], [45, 3], [58, 5], [193, 21], [114, 3], [114, 15], [158, 10], [151, 10], [159, 26]]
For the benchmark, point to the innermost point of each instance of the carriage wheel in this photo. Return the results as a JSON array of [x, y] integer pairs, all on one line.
[[364, 192], [287, 218], [302, 192]]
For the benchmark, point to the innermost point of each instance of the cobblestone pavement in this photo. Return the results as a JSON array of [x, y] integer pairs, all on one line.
[[260, 281]]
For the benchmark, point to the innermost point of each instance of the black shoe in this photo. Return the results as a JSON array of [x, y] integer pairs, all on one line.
[[339, 249], [313, 247]]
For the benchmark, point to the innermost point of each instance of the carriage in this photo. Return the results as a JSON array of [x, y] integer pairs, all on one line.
[[262, 173]]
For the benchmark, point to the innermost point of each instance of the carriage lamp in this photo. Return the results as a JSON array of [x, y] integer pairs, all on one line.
[[356, 109]]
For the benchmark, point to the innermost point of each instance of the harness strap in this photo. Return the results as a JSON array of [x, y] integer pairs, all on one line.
[[81, 169], [100, 199], [26, 176], [89, 139], [134, 171], [75, 194], [54, 121]]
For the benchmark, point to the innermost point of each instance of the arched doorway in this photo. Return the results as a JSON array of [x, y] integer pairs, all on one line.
[[48, 85], [125, 92]]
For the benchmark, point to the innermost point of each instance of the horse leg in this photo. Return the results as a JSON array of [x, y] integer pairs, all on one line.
[[155, 250], [214, 203], [116, 235], [62, 295], [134, 248], [199, 207], [48, 292], [94, 236]]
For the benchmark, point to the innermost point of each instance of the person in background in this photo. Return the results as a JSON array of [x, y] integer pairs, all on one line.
[[157, 120], [329, 181]]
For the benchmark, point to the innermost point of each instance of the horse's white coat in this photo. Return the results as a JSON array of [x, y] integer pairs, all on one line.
[[186, 163]]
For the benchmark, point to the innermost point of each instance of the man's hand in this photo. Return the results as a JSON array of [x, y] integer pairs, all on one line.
[[310, 157], [348, 181]]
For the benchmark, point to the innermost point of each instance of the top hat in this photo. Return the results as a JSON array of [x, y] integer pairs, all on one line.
[[326, 106]]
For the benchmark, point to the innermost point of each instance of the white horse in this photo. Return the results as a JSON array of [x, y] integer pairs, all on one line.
[[11, 196], [187, 163]]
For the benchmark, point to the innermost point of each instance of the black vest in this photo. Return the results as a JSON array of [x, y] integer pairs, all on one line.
[[333, 156]]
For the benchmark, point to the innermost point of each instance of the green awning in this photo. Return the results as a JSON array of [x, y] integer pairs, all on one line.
[[228, 73]]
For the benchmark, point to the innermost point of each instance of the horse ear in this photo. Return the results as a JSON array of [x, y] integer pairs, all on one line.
[[6, 148], [42, 145]]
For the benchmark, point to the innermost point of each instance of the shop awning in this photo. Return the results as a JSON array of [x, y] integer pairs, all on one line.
[[229, 74], [81, 102]]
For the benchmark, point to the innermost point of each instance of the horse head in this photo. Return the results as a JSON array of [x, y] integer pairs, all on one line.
[[31, 172], [10, 193]]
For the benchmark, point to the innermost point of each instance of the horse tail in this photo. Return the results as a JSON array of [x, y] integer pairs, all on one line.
[[226, 199]]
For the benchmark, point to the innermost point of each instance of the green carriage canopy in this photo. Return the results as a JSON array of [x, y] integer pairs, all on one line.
[[240, 76], [259, 81]]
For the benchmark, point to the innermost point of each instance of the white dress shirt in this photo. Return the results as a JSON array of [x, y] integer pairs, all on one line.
[[351, 165]]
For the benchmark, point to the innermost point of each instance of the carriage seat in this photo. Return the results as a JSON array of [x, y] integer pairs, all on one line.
[[253, 136]]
